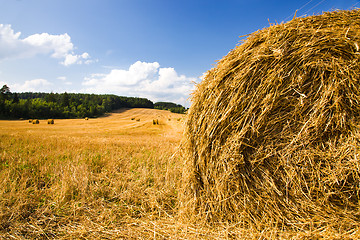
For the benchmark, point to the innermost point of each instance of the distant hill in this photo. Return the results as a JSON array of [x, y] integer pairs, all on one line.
[[173, 107]]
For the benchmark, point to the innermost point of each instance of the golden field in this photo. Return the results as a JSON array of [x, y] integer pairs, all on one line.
[[104, 178]]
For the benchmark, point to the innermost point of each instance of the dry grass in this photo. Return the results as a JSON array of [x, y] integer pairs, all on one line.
[[272, 138], [109, 178], [105, 178]]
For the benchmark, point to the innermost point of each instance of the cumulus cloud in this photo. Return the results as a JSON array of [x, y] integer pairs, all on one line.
[[35, 85], [58, 46], [143, 79], [78, 59]]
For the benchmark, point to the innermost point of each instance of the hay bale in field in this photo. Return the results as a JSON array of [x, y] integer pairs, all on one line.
[[132, 118], [30, 120], [86, 118], [35, 121], [272, 135], [138, 120], [50, 121]]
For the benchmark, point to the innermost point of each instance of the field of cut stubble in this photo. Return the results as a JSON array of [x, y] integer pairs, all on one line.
[[105, 178]]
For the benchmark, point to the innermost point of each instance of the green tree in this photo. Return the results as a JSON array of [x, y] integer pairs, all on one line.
[[65, 99], [106, 103], [5, 92], [51, 97], [15, 98]]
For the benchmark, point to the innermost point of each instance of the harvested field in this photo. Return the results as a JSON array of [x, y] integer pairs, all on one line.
[[108, 177]]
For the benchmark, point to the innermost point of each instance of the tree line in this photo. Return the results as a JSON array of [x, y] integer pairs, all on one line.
[[172, 107], [63, 105]]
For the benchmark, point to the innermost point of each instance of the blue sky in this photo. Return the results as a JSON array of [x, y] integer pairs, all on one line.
[[145, 48]]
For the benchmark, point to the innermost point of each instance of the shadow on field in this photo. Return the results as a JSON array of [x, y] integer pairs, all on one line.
[[121, 110]]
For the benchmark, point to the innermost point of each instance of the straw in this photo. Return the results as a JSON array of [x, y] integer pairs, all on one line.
[[272, 136]]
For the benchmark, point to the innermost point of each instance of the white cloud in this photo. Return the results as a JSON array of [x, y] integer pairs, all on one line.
[[78, 59], [137, 72], [63, 80], [143, 79], [58, 46], [35, 85]]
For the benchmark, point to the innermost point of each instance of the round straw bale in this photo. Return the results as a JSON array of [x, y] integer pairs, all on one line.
[[272, 135], [50, 121], [30, 120], [35, 121], [86, 118]]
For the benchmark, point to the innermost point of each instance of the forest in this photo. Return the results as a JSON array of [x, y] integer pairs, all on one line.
[[172, 107], [63, 105]]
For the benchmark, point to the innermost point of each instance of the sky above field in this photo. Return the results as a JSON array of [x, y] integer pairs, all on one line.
[[156, 49]]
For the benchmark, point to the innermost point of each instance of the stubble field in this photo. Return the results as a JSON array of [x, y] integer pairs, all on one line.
[[104, 178]]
